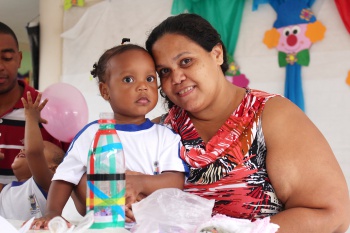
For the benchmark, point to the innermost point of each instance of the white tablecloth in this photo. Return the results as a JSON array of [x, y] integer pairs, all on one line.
[[18, 223]]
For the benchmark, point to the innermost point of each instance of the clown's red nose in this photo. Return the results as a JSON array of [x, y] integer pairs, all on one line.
[[291, 40]]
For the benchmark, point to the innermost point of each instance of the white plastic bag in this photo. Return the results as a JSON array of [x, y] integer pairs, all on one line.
[[171, 210], [222, 223]]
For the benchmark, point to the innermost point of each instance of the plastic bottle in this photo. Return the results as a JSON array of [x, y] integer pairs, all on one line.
[[106, 176]]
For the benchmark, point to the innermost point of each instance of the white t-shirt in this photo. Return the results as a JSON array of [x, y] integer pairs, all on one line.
[[143, 145], [22, 200]]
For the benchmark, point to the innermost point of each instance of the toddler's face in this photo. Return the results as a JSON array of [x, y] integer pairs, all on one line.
[[20, 165], [131, 87]]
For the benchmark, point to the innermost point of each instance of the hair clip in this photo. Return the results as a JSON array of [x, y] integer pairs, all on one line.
[[125, 40]]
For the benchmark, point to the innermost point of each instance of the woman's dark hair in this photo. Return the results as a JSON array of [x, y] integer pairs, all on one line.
[[4, 29], [192, 26], [100, 68]]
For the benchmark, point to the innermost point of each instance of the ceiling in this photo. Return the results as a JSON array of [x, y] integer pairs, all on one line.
[[17, 13]]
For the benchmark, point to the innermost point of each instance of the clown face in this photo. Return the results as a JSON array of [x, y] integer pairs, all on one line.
[[293, 39]]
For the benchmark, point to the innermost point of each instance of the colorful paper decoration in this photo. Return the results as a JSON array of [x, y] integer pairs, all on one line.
[[69, 3], [234, 75], [293, 33]]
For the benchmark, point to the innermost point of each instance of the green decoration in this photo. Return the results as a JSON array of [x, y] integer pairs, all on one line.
[[233, 68], [302, 58], [69, 3]]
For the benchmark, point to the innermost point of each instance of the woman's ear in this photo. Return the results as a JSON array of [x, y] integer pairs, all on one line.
[[217, 52], [104, 91]]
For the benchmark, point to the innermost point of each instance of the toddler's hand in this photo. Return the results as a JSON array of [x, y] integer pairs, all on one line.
[[32, 110], [42, 223]]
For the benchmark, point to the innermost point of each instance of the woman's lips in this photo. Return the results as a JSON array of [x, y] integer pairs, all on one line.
[[185, 91]]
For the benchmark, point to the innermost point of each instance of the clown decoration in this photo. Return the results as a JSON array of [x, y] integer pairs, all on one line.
[[293, 33]]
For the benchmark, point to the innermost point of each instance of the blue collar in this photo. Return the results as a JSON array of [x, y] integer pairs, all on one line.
[[132, 127]]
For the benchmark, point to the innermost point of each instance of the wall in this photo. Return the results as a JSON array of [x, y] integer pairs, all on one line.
[[326, 94]]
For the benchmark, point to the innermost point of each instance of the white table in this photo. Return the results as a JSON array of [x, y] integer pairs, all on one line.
[[18, 223]]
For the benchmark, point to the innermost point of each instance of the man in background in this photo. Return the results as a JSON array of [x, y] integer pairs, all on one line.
[[12, 120]]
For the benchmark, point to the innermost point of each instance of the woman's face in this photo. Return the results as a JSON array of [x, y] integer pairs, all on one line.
[[188, 74]]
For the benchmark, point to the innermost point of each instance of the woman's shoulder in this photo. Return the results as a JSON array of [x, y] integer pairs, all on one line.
[[161, 119], [261, 94], [157, 120]]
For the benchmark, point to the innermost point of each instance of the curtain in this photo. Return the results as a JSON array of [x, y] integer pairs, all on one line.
[[343, 7], [224, 15]]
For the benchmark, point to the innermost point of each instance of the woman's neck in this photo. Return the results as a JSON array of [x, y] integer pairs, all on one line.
[[209, 121]]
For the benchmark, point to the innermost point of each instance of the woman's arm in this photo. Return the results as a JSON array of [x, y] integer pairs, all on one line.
[[304, 172]]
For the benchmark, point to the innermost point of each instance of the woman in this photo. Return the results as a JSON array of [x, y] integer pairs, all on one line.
[[257, 154]]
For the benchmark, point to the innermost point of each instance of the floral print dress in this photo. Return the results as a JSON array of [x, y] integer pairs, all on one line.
[[231, 167]]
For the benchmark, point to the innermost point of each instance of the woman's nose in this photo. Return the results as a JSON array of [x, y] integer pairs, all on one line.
[[178, 76]]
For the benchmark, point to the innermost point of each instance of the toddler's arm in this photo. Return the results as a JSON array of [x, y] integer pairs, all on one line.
[[57, 198], [33, 142]]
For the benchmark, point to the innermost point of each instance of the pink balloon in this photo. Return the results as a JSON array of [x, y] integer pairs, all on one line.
[[66, 111]]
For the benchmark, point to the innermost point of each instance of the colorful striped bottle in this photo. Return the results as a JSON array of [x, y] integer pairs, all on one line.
[[106, 176]]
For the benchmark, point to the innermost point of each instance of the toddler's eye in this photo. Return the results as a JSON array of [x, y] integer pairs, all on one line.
[[128, 80], [150, 79]]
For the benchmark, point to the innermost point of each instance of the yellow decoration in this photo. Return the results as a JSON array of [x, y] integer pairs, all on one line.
[[291, 58]]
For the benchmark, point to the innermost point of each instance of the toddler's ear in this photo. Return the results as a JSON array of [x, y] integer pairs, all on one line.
[[104, 91]]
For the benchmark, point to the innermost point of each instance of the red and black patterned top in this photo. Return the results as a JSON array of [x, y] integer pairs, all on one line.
[[231, 167]]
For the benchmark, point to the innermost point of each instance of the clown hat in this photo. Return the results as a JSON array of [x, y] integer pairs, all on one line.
[[291, 12]]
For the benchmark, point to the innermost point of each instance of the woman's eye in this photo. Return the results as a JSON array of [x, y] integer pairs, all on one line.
[[128, 80], [150, 79], [185, 61], [163, 72]]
